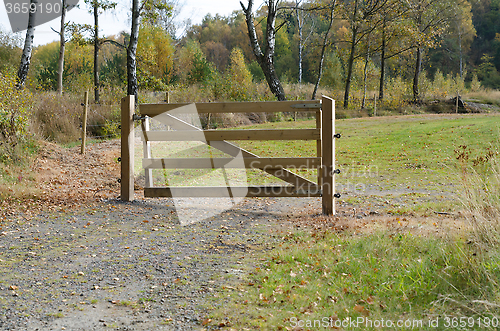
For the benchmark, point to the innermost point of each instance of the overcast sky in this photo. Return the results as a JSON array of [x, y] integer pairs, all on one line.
[[117, 21]]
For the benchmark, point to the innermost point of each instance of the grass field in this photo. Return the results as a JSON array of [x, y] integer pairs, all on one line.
[[410, 160]]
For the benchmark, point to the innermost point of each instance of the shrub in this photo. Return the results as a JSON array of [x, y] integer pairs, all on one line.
[[15, 108], [10, 50], [397, 93], [333, 74], [475, 84]]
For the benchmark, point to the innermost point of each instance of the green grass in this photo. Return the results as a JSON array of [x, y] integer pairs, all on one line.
[[400, 155], [348, 277]]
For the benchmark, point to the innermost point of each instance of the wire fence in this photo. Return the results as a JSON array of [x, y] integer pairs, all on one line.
[[101, 127]]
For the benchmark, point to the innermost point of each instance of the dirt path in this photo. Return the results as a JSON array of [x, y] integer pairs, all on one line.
[[79, 259]]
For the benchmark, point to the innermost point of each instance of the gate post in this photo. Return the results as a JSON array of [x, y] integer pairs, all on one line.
[[328, 155], [127, 148]]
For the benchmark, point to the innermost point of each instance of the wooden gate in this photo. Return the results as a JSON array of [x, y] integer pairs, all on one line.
[[323, 134]]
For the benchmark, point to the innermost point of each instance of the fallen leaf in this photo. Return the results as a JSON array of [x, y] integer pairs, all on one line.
[[360, 309]]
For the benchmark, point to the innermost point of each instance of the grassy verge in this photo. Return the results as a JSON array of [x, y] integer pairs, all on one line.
[[17, 180], [331, 278]]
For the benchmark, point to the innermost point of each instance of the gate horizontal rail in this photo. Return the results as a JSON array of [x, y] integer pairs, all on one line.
[[221, 191], [215, 163], [152, 110], [218, 135]]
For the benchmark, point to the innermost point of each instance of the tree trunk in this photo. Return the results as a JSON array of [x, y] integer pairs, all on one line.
[[132, 50], [323, 49], [365, 73], [96, 52], [351, 56], [382, 65], [349, 69], [266, 58], [301, 46], [461, 65], [22, 73], [62, 47], [418, 68]]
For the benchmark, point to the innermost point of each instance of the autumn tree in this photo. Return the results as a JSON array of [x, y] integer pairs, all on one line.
[[97, 8], [155, 58], [330, 17], [237, 77], [391, 38], [219, 35], [362, 18], [427, 20], [455, 42], [150, 9], [162, 14], [62, 45]]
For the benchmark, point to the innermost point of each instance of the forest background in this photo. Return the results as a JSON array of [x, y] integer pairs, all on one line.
[[403, 55]]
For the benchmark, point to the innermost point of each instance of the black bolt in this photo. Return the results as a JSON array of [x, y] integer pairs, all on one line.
[[336, 171], [336, 195], [119, 159], [119, 180], [337, 135]]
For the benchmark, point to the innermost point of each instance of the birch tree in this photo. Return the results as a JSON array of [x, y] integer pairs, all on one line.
[[22, 73], [265, 56], [62, 47]]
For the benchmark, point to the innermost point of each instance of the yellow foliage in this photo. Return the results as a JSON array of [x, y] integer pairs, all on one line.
[[238, 79], [155, 52], [238, 72]]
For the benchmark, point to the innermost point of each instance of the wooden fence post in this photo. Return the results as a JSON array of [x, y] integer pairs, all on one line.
[[127, 148], [84, 121], [148, 173], [319, 146], [328, 155]]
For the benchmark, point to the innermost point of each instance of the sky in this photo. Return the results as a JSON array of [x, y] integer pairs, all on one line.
[[116, 21]]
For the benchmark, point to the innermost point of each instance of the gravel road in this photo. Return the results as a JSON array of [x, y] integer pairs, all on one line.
[[128, 266]]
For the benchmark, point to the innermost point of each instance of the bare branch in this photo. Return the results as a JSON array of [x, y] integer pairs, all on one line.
[[113, 42], [59, 33]]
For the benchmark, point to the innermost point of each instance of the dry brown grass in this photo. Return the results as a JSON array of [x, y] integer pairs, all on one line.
[[491, 97], [58, 118], [482, 203]]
